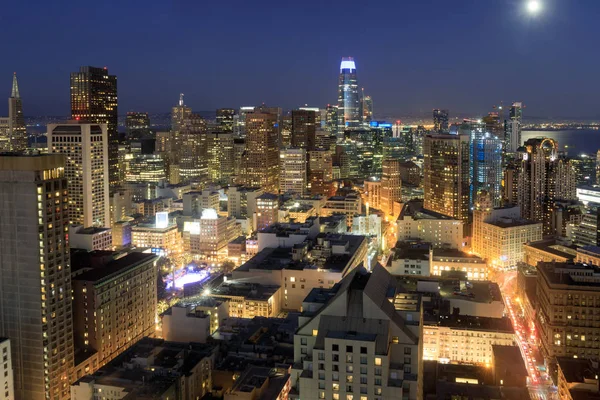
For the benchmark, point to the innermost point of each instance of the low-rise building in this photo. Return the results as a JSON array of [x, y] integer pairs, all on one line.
[[547, 251], [193, 320], [417, 223], [444, 261], [349, 205], [578, 379], [261, 383], [121, 234], [410, 258], [451, 338], [90, 238], [161, 235], [248, 300], [208, 238], [152, 369]]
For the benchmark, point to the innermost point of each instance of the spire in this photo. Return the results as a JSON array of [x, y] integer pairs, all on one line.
[[15, 88], [180, 99]]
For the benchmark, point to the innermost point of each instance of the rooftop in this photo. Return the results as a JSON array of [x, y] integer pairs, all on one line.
[[252, 291], [415, 210], [578, 276], [115, 267], [552, 247], [469, 322]]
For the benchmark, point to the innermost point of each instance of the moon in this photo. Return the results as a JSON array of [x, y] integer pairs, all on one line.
[[534, 7]]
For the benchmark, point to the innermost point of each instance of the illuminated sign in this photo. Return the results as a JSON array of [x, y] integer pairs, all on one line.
[[347, 64]]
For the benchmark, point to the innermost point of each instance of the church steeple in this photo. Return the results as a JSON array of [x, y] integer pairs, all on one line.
[[15, 88]]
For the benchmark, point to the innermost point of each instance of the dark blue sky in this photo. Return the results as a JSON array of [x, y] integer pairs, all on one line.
[[411, 56]]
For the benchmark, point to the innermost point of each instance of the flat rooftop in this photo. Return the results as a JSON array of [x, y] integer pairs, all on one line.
[[252, 291], [469, 322], [115, 267], [550, 246]]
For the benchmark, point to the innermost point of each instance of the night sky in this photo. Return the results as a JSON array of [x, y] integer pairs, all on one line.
[[411, 56]]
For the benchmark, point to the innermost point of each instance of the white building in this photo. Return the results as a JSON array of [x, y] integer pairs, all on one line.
[[86, 148], [292, 175], [464, 338], [415, 222], [207, 238], [90, 238], [194, 322], [7, 386]]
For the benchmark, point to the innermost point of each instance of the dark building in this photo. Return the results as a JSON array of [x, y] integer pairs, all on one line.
[[137, 124], [94, 99], [225, 119], [303, 129], [440, 120]]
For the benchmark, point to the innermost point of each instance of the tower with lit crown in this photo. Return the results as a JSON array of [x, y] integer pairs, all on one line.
[[348, 98], [16, 120]]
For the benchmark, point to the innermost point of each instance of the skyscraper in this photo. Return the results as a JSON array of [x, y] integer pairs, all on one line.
[[260, 160], [332, 119], [94, 99], [446, 175], [35, 289], [225, 119], [219, 147], [512, 133], [486, 162], [391, 185], [292, 176], [85, 146], [440, 120], [348, 99], [543, 178], [303, 129], [16, 120], [137, 124], [192, 153], [366, 107]]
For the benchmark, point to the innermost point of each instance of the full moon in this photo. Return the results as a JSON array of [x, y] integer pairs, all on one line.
[[533, 7]]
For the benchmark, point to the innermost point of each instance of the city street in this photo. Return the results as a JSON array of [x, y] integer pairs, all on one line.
[[540, 386]]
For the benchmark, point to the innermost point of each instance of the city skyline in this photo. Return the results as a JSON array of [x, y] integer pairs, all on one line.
[[404, 73]]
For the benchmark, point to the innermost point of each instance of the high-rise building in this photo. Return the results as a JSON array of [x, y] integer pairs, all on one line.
[[94, 99], [366, 107], [391, 186], [446, 169], [192, 152], [219, 147], [137, 124], [320, 172], [292, 175], [107, 322], [267, 210], [85, 146], [16, 120], [440, 120], [332, 119], [240, 126], [348, 98], [486, 162], [303, 129], [225, 119], [512, 138], [543, 177], [260, 160], [35, 290]]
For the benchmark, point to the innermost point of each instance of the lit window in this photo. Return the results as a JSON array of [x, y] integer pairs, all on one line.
[[377, 361]]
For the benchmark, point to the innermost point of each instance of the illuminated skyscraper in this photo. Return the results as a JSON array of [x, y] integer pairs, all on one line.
[[16, 120], [512, 137], [192, 154], [292, 176], [303, 129], [440, 120], [85, 146], [348, 98], [94, 99], [332, 119], [446, 175], [35, 289], [260, 160], [486, 162], [220, 156], [320, 175], [366, 107], [543, 177], [225, 119], [391, 185]]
